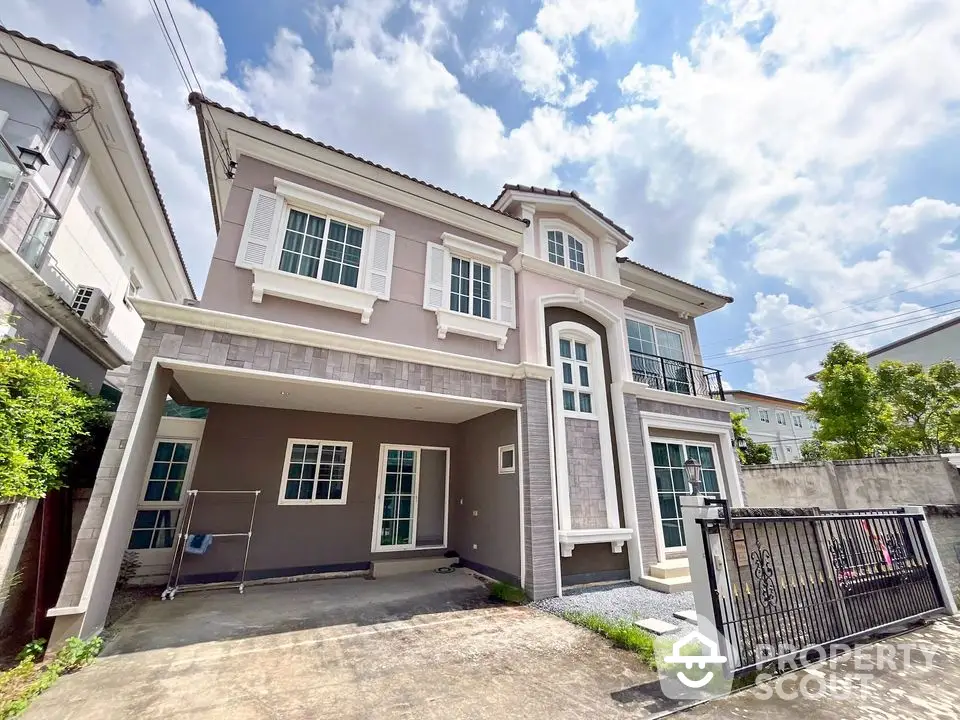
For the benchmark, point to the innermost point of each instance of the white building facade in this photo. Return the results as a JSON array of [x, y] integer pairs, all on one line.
[[778, 422], [83, 229]]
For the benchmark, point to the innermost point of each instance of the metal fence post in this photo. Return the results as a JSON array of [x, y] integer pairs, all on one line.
[[949, 602]]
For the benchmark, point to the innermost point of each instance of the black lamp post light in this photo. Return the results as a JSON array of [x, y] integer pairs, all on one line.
[[32, 159], [692, 470]]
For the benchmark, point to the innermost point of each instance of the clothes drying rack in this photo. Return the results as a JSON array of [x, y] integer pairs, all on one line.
[[173, 579]]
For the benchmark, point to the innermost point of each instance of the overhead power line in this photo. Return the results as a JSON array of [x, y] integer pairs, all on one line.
[[852, 305], [839, 333], [763, 356]]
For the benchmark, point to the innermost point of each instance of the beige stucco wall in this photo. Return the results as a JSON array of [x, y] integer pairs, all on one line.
[[401, 320]]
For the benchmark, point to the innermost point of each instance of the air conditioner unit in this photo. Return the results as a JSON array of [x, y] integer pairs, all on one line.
[[93, 306]]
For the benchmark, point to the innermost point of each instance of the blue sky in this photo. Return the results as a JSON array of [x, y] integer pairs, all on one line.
[[798, 156]]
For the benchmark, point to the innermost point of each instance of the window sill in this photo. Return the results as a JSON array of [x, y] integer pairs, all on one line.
[[615, 536], [313, 291], [472, 326], [284, 501]]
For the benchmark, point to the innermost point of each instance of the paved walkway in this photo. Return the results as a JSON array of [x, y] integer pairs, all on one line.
[[924, 685], [419, 647]]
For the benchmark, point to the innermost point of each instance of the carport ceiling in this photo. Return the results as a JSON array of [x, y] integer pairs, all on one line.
[[201, 385]]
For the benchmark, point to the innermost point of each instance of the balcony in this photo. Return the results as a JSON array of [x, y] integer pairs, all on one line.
[[676, 376]]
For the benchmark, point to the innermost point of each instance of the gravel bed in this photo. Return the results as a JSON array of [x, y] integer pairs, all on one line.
[[626, 602]]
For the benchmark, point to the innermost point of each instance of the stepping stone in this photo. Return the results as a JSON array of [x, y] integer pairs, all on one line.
[[688, 615], [657, 627]]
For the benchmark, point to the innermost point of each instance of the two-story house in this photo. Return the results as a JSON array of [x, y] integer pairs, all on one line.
[[778, 422], [393, 373], [83, 230]]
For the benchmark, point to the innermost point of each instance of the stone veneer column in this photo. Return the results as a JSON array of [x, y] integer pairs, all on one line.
[[540, 540], [646, 523]]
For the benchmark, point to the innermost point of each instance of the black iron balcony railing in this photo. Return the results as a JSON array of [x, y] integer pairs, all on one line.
[[676, 376]]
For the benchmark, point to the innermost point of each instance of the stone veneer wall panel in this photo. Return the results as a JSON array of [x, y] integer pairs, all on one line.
[[646, 522], [540, 540], [588, 509]]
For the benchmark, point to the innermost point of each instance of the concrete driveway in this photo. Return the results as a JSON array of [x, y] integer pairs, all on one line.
[[419, 646]]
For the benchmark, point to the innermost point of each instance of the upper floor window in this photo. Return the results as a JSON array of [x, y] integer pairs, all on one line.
[[745, 411], [781, 417], [764, 415], [652, 340], [311, 241], [575, 372], [306, 245], [797, 421], [471, 289], [565, 246]]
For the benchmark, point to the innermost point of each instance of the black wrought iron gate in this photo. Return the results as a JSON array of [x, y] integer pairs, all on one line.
[[785, 582]]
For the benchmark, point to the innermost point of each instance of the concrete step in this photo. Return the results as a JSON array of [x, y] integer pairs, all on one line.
[[657, 627], [670, 568], [688, 615], [666, 585], [388, 568]]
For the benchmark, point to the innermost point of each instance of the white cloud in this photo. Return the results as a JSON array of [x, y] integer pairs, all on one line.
[[605, 21]]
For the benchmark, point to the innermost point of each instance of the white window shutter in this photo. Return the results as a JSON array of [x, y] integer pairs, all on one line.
[[380, 261], [434, 276], [259, 230], [507, 295]]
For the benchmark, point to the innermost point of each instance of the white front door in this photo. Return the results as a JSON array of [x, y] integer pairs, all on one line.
[[398, 507]]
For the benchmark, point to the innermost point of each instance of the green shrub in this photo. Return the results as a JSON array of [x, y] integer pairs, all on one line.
[[42, 419], [508, 593], [622, 634], [21, 684]]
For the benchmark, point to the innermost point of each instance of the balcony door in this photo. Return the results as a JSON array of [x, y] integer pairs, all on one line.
[[657, 357]]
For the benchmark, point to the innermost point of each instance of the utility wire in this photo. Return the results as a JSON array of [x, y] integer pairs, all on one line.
[[852, 305], [186, 54], [763, 356], [823, 334]]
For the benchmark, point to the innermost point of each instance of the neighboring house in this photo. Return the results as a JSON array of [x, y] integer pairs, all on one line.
[[778, 422], [401, 372], [927, 347], [83, 230]]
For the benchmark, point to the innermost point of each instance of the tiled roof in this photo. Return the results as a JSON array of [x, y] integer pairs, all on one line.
[[727, 298], [196, 99], [118, 74], [561, 193]]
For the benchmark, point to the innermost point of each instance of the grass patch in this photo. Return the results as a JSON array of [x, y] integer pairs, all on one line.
[[622, 634], [508, 593], [22, 683]]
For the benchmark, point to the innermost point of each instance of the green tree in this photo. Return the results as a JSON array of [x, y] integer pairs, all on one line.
[[750, 451], [814, 450], [853, 415], [42, 420], [925, 405]]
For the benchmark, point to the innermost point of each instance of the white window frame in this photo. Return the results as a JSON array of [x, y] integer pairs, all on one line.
[[745, 411], [281, 500], [472, 299], [797, 420], [467, 323], [574, 336], [686, 337], [568, 230], [763, 415], [719, 465], [134, 286], [378, 504], [179, 505], [512, 467], [269, 279], [781, 418], [774, 454]]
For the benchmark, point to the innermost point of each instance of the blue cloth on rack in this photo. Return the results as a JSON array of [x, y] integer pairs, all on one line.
[[198, 544]]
